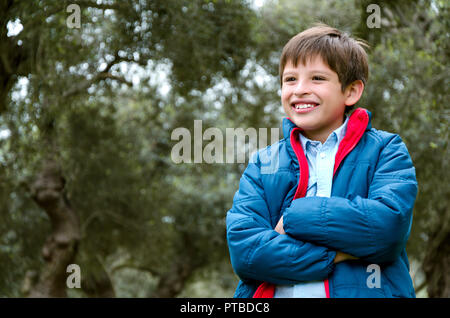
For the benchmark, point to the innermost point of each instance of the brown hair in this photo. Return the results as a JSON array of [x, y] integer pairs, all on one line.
[[343, 54]]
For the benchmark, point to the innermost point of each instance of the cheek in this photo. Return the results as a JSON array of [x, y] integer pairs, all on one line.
[[330, 96], [285, 95]]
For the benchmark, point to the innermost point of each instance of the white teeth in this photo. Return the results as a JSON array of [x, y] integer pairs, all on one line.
[[302, 106]]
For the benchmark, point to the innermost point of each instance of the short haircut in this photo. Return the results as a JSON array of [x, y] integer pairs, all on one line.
[[343, 54]]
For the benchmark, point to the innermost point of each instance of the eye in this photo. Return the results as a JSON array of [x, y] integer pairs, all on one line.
[[318, 78], [289, 79]]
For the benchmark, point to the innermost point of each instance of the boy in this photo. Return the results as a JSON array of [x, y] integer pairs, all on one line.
[[333, 218]]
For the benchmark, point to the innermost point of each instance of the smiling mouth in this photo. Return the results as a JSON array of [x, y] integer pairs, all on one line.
[[303, 106]]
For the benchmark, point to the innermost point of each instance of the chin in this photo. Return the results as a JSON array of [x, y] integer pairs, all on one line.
[[302, 122]]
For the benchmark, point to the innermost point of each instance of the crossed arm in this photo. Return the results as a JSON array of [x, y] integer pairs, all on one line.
[[322, 231], [340, 256], [258, 252]]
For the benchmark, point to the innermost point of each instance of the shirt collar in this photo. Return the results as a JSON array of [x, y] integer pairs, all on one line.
[[338, 132]]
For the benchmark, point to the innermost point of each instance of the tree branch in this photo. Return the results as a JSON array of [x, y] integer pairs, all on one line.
[[121, 79], [6, 64], [421, 286], [102, 75]]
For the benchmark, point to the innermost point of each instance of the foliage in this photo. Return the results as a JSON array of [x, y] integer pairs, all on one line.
[[103, 100]]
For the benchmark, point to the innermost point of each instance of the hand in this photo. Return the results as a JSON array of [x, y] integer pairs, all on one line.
[[340, 257], [279, 228]]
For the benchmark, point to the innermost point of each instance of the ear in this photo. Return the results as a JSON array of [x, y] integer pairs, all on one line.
[[353, 92]]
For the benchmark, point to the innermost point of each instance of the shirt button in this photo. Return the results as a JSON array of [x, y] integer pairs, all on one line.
[[322, 155]]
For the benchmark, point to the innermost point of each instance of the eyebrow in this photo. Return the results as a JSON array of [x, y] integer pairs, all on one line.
[[312, 71]]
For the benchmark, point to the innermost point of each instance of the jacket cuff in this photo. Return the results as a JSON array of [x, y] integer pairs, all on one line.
[[306, 220]]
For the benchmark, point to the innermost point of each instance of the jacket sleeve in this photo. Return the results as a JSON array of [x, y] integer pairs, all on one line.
[[375, 228], [258, 252]]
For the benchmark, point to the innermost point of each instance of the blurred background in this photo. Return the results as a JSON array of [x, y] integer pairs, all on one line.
[[89, 97]]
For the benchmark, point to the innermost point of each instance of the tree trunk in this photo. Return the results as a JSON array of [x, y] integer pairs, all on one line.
[[437, 263], [173, 282], [188, 259], [100, 287], [60, 248], [97, 282], [437, 258]]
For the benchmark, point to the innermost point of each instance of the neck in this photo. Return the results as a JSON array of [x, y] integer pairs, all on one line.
[[322, 135]]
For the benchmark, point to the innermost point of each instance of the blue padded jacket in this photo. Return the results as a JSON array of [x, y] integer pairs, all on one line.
[[368, 215]]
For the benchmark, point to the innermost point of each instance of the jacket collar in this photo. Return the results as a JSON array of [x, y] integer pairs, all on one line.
[[358, 123], [338, 134]]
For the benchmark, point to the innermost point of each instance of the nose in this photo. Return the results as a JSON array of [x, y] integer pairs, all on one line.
[[302, 88]]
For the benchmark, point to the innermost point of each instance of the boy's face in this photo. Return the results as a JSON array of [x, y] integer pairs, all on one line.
[[312, 97]]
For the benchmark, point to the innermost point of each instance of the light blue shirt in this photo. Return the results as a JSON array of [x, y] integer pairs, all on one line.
[[320, 159]]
